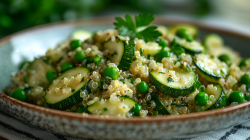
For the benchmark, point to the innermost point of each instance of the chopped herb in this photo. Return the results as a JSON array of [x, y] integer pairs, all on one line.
[[105, 109], [141, 51], [130, 76], [132, 80], [124, 107], [188, 68], [162, 72], [156, 113], [123, 81], [100, 100], [170, 79], [202, 88], [115, 53], [142, 63], [100, 85], [212, 57], [181, 104], [148, 56], [73, 90], [134, 58], [82, 79], [127, 27], [62, 78], [108, 80], [175, 62], [223, 73]]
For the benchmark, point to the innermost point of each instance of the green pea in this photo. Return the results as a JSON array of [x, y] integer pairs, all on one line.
[[136, 109], [22, 64], [97, 60], [79, 56], [248, 98], [236, 96], [66, 66], [225, 58], [184, 33], [81, 110], [163, 43], [159, 56], [74, 44], [142, 87], [201, 99], [245, 79], [51, 75], [111, 72], [245, 62], [19, 94]]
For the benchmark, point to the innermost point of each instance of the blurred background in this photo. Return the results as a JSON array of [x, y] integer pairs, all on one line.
[[16, 15]]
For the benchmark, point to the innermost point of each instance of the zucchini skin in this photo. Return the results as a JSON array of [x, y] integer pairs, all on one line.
[[68, 102], [159, 106], [209, 77], [128, 55], [221, 102], [172, 92]]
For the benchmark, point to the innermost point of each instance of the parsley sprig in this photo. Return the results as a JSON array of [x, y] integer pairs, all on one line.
[[140, 29]]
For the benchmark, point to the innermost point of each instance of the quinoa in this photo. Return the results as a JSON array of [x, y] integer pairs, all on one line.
[[99, 88]]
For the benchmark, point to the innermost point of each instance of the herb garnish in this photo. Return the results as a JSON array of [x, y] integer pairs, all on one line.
[[105, 109], [141, 51], [138, 29], [162, 72], [170, 79]]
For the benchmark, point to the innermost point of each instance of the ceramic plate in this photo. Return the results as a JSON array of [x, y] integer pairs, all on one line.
[[34, 42]]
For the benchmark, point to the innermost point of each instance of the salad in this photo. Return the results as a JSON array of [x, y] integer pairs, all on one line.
[[136, 69]]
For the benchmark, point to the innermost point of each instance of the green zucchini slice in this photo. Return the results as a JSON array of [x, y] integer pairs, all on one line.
[[121, 52], [210, 68], [190, 47], [174, 85], [159, 106], [117, 106], [36, 73], [220, 98], [192, 29], [213, 41], [64, 91]]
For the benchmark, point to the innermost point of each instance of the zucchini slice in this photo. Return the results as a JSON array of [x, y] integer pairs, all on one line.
[[175, 85], [121, 52], [190, 47], [117, 106], [213, 41], [220, 98], [36, 73], [210, 68], [81, 35], [192, 29], [64, 91], [150, 48], [159, 106]]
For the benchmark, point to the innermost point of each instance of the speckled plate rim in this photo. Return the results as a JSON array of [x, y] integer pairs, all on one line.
[[135, 120]]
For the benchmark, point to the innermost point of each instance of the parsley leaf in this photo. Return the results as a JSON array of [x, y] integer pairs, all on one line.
[[141, 51], [144, 19], [162, 72], [127, 27], [170, 79], [149, 34]]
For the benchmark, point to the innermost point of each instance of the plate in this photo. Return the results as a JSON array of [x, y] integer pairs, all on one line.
[[34, 42]]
